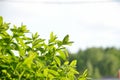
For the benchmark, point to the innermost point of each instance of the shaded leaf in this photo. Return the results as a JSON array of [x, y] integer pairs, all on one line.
[[66, 39]]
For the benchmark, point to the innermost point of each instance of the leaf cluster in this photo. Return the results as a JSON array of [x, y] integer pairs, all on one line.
[[32, 58]]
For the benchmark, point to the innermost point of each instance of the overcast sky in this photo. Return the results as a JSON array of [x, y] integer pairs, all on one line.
[[88, 22]]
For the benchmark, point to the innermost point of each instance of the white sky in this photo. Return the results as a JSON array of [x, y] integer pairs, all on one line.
[[89, 24]]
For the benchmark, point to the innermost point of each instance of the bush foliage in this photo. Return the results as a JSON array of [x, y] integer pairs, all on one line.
[[33, 58], [100, 62]]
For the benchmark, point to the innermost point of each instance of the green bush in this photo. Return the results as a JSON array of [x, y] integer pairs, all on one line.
[[33, 58]]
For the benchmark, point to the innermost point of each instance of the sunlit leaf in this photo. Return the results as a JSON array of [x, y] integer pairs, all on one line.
[[45, 72], [73, 63], [35, 36], [62, 54], [52, 37], [36, 42], [66, 62], [53, 72], [57, 60], [28, 61], [1, 21]]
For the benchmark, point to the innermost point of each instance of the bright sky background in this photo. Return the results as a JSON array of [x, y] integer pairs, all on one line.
[[88, 22]]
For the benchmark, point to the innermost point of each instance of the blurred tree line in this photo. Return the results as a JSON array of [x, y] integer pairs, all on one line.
[[100, 62]]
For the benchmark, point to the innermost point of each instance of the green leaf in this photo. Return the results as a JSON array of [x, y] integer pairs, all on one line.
[[20, 75], [36, 42], [62, 54], [28, 61], [52, 37], [21, 42], [14, 46], [64, 78], [59, 43], [70, 43], [66, 52], [82, 79], [23, 29], [4, 66], [73, 63], [21, 51], [73, 71], [45, 72], [35, 36], [26, 38], [6, 26], [66, 39], [58, 61], [84, 75], [4, 71], [53, 72], [37, 45], [1, 21], [50, 77], [66, 62], [14, 29], [28, 42]]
